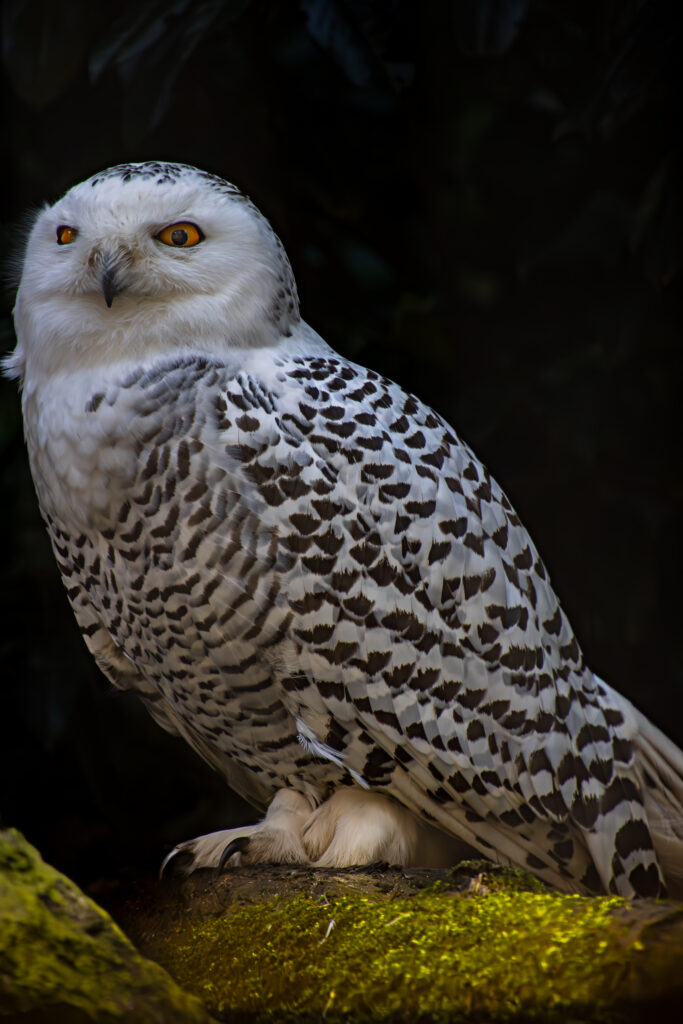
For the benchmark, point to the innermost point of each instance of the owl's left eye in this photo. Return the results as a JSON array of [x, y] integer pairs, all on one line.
[[65, 234], [181, 236]]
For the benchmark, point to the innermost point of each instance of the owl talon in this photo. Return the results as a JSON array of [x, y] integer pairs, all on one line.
[[171, 855], [238, 845], [276, 839], [206, 851]]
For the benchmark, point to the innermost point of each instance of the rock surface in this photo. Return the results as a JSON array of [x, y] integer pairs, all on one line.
[[64, 961]]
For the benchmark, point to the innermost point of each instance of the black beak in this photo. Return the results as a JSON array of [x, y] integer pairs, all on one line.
[[110, 287]]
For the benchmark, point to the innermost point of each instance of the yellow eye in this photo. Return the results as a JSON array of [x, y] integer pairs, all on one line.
[[65, 234], [182, 235]]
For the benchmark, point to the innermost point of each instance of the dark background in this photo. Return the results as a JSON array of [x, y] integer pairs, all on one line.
[[481, 200]]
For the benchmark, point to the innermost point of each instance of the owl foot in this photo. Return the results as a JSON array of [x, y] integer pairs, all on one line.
[[351, 827], [275, 840], [356, 827]]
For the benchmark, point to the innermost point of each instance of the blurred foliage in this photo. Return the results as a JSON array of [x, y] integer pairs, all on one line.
[[480, 199]]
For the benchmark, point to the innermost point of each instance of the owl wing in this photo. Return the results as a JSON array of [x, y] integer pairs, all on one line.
[[427, 651]]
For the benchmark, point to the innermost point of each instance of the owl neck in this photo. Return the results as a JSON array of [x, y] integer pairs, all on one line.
[[66, 333]]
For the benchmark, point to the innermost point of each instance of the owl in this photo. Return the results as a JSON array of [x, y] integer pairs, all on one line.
[[302, 571]]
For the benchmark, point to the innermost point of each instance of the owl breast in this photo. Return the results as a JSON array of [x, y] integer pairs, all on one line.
[[156, 532]]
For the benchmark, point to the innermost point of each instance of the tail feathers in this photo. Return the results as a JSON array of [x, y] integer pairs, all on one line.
[[660, 766]]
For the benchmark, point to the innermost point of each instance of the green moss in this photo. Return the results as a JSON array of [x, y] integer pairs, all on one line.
[[480, 944], [63, 957], [495, 955]]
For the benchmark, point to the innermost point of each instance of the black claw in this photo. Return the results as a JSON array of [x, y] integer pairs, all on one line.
[[238, 845], [166, 861], [175, 861]]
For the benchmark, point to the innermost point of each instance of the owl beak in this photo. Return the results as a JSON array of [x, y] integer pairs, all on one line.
[[111, 285], [112, 266]]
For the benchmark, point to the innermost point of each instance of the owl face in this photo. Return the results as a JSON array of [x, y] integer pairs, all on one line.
[[113, 237], [150, 253]]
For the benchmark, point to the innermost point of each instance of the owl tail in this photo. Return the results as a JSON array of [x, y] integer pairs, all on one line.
[[659, 764]]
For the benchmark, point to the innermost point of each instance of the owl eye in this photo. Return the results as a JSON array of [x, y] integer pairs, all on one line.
[[65, 234], [181, 236]]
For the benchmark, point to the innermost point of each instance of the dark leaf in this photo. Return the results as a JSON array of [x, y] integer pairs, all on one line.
[[149, 51], [658, 237], [650, 52], [488, 26], [334, 26], [133, 37], [641, 72], [43, 46]]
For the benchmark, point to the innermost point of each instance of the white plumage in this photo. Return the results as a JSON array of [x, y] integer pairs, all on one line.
[[300, 568]]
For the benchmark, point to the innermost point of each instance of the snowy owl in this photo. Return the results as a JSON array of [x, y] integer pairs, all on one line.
[[300, 568]]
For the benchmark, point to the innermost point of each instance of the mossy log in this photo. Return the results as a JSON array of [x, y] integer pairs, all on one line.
[[64, 961], [476, 943]]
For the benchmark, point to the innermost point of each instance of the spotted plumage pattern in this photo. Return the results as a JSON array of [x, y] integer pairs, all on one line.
[[304, 572]]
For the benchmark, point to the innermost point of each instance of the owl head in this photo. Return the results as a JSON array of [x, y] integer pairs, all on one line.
[[149, 257]]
